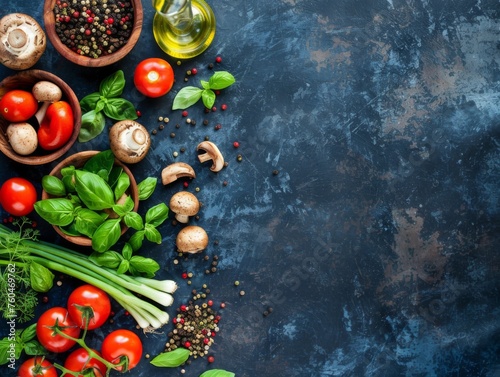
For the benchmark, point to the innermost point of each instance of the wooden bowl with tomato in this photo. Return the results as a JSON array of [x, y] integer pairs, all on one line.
[[78, 160], [103, 38], [52, 124]]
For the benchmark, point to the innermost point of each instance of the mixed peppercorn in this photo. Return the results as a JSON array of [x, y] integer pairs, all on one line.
[[94, 28]]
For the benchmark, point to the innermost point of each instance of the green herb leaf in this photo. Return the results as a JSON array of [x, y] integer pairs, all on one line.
[[171, 359], [106, 235], [40, 277], [53, 185], [113, 85], [186, 97], [157, 214], [127, 251], [136, 240], [89, 102], [87, 221], [208, 98], [93, 191], [123, 267], [28, 333], [120, 109], [146, 188], [133, 220], [34, 348], [221, 80], [56, 211], [122, 209], [101, 162], [101, 104], [152, 234], [110, 259], [92, 125], [205, 84], [217, 373], [143, 266], [122, 185]]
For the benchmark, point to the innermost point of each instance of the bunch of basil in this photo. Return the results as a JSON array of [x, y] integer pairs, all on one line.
[[92, 201], [106, 101]]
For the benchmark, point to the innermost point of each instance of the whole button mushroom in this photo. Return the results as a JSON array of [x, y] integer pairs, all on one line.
[[22, 138], [184, 204], [129, 141], [192, 239], [22, 41], [45, 92]]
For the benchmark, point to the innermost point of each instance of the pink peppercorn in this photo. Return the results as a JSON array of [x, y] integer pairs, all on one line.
[[223, 107], [236, 144], [184, 113], [218, 59]]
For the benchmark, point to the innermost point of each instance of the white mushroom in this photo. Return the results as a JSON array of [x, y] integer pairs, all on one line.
[[22, 41], [175, 171], [211, 152], [129, 141], [192, 239], [184, 204], [22, 138], [47, 93]]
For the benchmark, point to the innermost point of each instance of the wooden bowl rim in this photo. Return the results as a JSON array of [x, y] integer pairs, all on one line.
[[66, 52], [78, 159], [68, 95]]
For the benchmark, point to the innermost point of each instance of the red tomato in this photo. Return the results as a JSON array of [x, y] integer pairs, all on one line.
[[17, 196], [37, 366], [154, 77], [89, 304], [121, 344], [48, 337], [57, 126], [80, 361], [18, 105]]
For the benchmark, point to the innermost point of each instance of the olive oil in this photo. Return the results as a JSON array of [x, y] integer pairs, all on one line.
[[183, 28]]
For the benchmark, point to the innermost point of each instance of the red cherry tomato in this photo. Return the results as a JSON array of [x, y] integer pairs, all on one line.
[[48, 337], [121, 344], [57, 126], [18, 105], [89, 304], [154, 77], [37, 367], [79, 361], [17, 196]]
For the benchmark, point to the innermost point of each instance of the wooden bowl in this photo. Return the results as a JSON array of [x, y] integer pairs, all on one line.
[[49, 20], [78, 160], [25, 80]]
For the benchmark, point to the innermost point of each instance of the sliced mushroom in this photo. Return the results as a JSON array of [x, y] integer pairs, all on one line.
[[211, 152], [184, 204], [175, 171], [22, 138], [192, 239], [22, 41], [129, 141], [46, 92]]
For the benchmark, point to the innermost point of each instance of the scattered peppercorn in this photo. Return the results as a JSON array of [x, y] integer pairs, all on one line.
[[185, 113], [239, 158], [154, 132], [218, 59], [236, 144], [275, 172], [223, 107]]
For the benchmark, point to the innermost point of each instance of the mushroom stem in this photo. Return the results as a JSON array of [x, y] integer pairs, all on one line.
[[17, 39], [133, 139], [182, 218]]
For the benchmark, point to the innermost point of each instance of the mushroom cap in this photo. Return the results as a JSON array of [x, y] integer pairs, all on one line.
[[129, 141], [184, 204], [22, 41], [175, 171], [211, 152], [192, 239], [22, 138], [46, 91]]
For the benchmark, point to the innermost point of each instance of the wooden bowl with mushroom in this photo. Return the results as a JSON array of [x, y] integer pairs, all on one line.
[[91, 35], [14, 140], [78, 160]]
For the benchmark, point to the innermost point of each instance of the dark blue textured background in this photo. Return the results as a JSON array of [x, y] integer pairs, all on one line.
[[377, 244]]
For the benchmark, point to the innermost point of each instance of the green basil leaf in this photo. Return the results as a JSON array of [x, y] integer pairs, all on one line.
[[120, 109], [110, 259], [133, 220], [93, 191], [136, 240], [87, 221], [89, 102], [53, 185], [152, 234], [113, 85], [186, 97], [101, 164], [146, 188], [40, 277], [127, 251], [123, 267], [68, 171], [114, 174], [157, 214], [92, 125], [143, 266], [4, 351], [217, 373], [122, 209], [106, 235], [171, 359], [70, 230], [28, 333], [56, 211], [122, 185], [208, 98], [100, 105], [205, 84], [34, 348], [221, 80], [69, 183]]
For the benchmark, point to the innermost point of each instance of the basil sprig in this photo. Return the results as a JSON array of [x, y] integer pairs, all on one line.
[[217, 373], [23, 340], [108, 101], [189, 95], [171, 359]]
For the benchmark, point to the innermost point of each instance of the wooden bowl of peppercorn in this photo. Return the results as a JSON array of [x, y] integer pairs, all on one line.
[[93, 33], [25, 81]]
